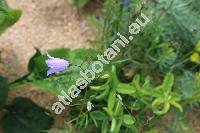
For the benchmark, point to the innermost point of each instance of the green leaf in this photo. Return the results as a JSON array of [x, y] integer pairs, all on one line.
[[98, 115], [136, 78], [125, 89], [113, 125], [163, 111], [104, 126], [46, 85], [146, 83], [168, 82], [136, 81], [100, 88], [115, 80], [94, 120], [103, 94], [137, 105], [128, 119], [31, 64], [118, 126], [24, 116], [177, 105], [8, 16], [55, 84], [109, 112], [118, 108], [3, 91], [175, 96], [158, 101], [89, 54], [86, 120], [111, 99]]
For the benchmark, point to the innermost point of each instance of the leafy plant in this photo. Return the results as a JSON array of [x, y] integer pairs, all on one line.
[[37, 69], [8, 16], [111, 96], [142, 84]]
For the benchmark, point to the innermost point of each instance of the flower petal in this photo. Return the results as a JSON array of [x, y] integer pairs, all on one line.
[[51, 71], [54, 70], [56, 62]]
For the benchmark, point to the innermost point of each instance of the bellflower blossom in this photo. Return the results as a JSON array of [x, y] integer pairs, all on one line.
[[56, 65]]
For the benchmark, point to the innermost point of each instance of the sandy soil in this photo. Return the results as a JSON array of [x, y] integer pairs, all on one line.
[[44, 24]]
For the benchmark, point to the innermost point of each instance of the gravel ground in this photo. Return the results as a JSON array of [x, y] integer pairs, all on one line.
[[44, 24]]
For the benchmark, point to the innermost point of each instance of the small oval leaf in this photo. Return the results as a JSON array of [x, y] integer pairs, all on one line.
[[128, 119], [125, 89]]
